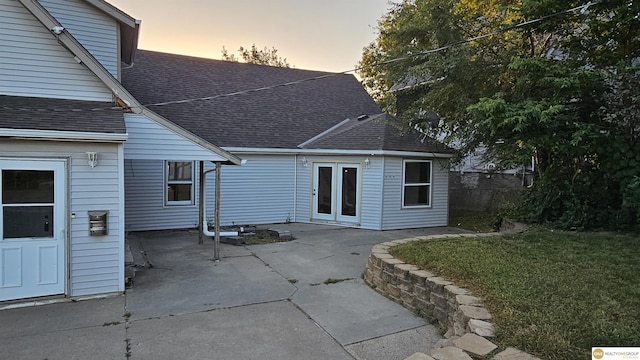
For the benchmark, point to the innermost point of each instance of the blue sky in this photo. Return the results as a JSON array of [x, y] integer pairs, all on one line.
[[321, 35]]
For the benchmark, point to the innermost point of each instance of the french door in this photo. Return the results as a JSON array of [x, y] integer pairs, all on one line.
[[336, 192], [32, 228]]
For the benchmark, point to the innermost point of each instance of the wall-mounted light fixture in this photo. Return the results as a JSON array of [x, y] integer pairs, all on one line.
[[366, 163], [304, 161], [92, 158]]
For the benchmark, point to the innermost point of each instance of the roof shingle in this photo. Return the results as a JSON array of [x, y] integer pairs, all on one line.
[[18, 112]]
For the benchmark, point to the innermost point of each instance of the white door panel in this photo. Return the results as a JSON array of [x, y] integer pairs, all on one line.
[[32, 228]]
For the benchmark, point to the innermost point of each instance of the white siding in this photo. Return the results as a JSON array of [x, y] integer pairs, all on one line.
[[96, 31], [152, 141], [259, 192], [96, 262], [144, 199], [32, 63], [395, 217]]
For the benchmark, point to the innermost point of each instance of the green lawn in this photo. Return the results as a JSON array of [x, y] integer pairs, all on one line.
[[478, 221], [553, 294]]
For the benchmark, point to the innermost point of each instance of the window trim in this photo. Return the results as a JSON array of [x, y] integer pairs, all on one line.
[[405, 185], [166, 184]]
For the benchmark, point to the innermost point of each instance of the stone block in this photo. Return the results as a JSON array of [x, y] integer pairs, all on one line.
[[284, 235], [408, 299], [451, 291], [402, 270], [440, 315], [438, 300], [474, 312], [393, 291], [419, 276], [388, 264], [421, 291], [437, 284], [514, 354], [482, 328], [419, 356], [445, 342], [405, 285], [389, 277], [383, 256], [467, 300], [424, 306], [475, 345], [449, 353]]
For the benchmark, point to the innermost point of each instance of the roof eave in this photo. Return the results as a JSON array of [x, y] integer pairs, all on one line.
[[58, 135]]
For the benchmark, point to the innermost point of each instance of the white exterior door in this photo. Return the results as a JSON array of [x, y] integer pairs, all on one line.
[[336, 192], [32, 228]]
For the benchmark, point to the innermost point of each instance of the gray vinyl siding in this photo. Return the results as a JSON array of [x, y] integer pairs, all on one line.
[[395, 217], [303, 191], [152, 141], [96, 31], [32, 63], [258, 192], [96, 262], [144, 199], [372, 180]]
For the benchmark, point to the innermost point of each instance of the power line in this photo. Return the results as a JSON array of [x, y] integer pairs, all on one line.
[[582, 8]]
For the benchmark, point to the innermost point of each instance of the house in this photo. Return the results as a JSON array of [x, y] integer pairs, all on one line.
[[98, 138], [64, 119], [316, 145]]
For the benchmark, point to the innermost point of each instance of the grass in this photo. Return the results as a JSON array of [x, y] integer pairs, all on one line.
[[478, 221], [553, 294]]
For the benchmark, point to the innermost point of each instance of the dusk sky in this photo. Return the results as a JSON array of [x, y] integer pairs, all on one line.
[[320, 35]]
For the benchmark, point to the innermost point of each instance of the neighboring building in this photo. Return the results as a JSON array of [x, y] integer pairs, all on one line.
[[61, 146], [82, 160], [317, 149]]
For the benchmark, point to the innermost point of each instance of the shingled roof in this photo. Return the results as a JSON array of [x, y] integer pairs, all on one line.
[[304, 106], [378, 132], [32, 113]]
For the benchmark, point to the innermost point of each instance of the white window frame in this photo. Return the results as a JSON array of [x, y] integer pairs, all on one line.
[[167, 182], [428, 184]]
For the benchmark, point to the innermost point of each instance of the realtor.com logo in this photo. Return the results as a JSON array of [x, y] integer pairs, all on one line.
[[615, 353]]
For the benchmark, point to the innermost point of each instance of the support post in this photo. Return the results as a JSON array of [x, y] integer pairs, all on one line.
[[202, 205], [216, 239]]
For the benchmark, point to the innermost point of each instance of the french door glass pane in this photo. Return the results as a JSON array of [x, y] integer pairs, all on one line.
[[27, 221], [27, 187], [325, 198], [349, 183]]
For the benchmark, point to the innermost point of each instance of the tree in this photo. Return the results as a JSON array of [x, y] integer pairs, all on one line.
[[563, 90], [254, 55]]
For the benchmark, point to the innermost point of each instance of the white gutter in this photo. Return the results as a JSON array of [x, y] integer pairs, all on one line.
[[56, 135], [275, 151]]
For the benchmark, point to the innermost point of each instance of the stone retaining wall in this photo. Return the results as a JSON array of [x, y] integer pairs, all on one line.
[[422, 292]]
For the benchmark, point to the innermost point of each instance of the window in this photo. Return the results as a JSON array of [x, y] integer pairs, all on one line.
[[416, 185], [179, 183]]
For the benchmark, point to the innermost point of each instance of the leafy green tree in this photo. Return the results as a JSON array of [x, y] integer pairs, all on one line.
[[254, 55], [563, 90]]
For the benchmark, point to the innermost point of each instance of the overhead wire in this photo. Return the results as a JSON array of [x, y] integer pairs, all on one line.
[[582, 8]]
